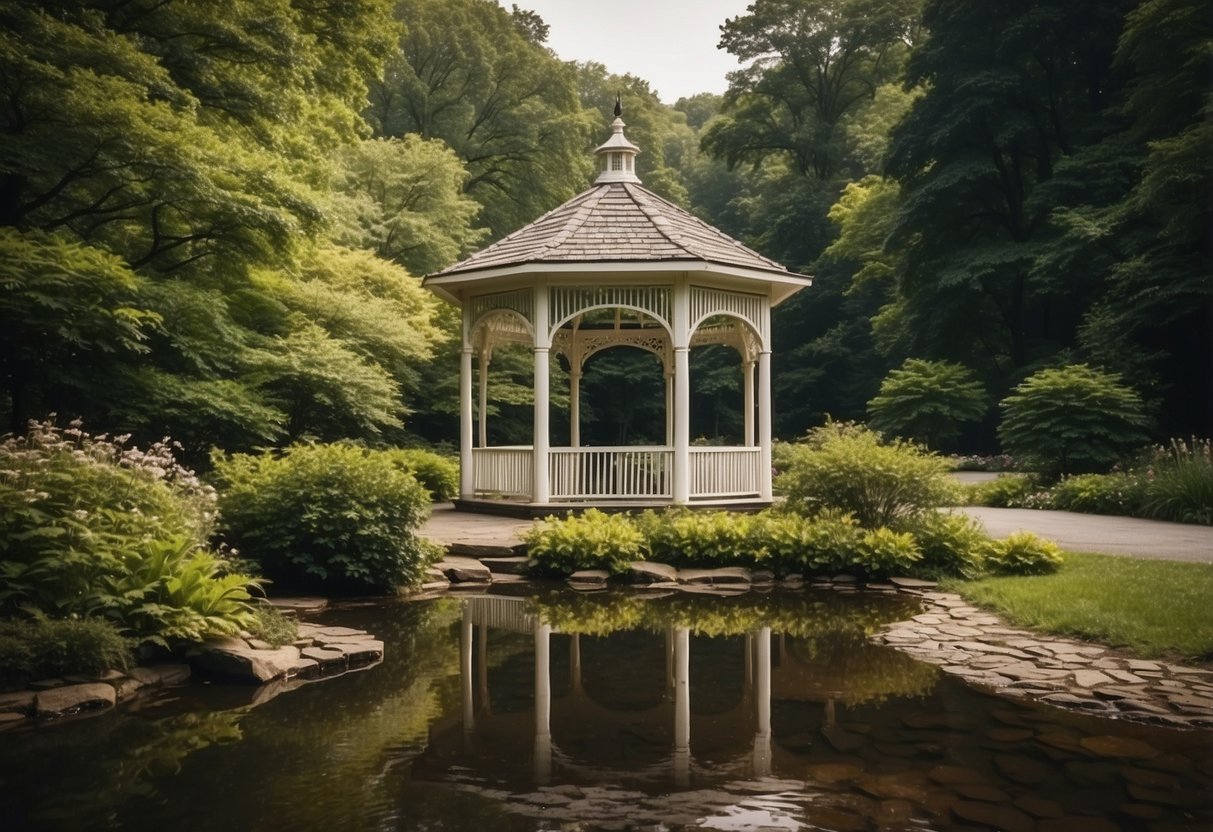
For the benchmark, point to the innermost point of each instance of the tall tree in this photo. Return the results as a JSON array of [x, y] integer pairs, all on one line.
[[474, 75]]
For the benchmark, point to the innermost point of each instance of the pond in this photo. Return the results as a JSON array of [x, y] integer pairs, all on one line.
[[609, 711]]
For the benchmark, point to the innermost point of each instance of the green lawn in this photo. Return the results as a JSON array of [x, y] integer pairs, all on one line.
[[1155, 608]]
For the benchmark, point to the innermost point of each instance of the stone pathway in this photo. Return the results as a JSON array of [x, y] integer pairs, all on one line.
[[979, 647]]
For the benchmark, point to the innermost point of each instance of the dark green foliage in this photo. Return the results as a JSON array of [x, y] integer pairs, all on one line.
[[592, 540], [926, 401], [1120, 494], [90, 527], [1072, 418], [1023, 553], [849, 468], [1179, 482], [438, 474], [42, 648], [1004, 492], [337, 518]]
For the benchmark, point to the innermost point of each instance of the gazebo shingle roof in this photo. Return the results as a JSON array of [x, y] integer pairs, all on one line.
[[615, 222]]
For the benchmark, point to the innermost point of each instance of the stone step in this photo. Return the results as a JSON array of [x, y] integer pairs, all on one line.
[[506, 565]]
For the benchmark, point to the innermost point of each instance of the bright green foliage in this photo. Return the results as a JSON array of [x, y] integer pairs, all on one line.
[[820, 545], [592, 540], [926, 401], [1070, 418], [403, 199], [1004, 492], [950, 543], [1023, 553], [468, 73], [1099, 494], [698, 538], [438, 474], [334, 517], [1181, 487], [849, 468], [43, 648], [883, 552], [272, 626], [89, 527]]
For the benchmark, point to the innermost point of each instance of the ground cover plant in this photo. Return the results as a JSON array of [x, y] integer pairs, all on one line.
[[336, 517], [93, 528], [1157, 608]]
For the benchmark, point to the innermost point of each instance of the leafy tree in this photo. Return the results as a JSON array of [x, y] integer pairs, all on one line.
[[812, 62], [926, 401], [470, 73], [403, 199], [1072, 418]]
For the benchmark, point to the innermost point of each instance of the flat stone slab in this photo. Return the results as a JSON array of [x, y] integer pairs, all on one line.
[[726, 575], [648, 572], [299, 604], [464, 570], [233, 659], [507, 565], [329, 660], [71, 699], [363, 651], [912, 583], [163, 674], [19, 701]]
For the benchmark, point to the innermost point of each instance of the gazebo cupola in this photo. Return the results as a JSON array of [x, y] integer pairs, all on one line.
[[618, 155], [615, 266]]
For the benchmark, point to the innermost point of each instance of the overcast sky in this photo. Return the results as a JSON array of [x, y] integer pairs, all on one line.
[[669, 43]]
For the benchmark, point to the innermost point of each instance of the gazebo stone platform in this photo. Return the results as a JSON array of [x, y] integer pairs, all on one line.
[[616, 266]]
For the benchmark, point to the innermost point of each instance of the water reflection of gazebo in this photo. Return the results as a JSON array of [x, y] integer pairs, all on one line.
[[616, 266]]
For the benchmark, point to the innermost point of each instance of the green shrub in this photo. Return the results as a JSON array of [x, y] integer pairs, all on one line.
[[1005, 492], [681, 537], [821, 545], [952, 544], [40, 648], [437, 473], [592, 540], [331, 517], [89, 527], [1179, 483], [849, 468], [883, 552], [1023, 553], [273, 627], [1099, 494], [926, 401], [1072, 418]]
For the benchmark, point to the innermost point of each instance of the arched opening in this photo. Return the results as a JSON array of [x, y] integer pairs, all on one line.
[[623, 398]]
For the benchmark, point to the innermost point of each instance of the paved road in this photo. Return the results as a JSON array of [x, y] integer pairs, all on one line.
[[1097, 533], [1075, 532]]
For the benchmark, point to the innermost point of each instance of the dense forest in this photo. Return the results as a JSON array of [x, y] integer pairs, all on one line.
[[213, 216]]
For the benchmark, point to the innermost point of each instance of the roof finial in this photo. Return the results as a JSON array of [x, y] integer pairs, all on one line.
[[618, 105]]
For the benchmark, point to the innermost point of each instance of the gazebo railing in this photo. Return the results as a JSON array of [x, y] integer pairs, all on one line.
[[631, 472], [618, 473], [725, 471], [505, 471]]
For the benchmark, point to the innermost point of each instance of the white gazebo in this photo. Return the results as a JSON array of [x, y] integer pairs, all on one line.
[[616, 266]]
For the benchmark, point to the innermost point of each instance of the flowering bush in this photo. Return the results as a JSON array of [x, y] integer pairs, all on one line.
[[92, 527]]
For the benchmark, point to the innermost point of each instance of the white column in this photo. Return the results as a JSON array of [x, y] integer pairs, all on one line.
[[762, 735], [483, 409], [682, 706], [669, 408], [764, 423], [747, 375], [540, 490], [682, 393], [465, 671], [467, 477], [543, 705], [575, 407]]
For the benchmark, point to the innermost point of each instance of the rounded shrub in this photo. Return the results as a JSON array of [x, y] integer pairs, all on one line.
[[438, 474], [335, 518], [820, 545], [592, 540], [927, 401], [40, 648], [1072, 418], [681, 537], [850, 468], [1023, 553]]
